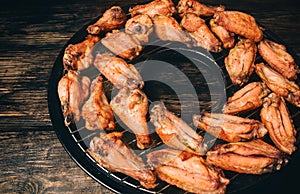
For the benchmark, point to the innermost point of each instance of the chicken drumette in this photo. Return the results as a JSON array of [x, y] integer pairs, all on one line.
[[198, 30], [118, 72], [122, 44], [72, 91], [140, 27], [113, 18], [240, 61], [277, 57], [168, 29], [79, 56], [194, 6], [131, 106], [239, 23], [156, 7], [96, 110], [277, 120]]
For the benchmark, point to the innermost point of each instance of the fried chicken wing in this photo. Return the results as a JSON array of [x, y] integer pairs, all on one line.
[[194, 6], [239, 23], [79, 56], [240, 61], [253, 157], [96, 110], [131, 106], [111, 153], [122, 44], [168, 29], [156, 7], [198, 30], [279, 84], [187, 171], [140, 26], [72, 91], [113, 18], [277, 57], [230, 128], [226, 37], [277, 120], [118, 72], [248, 98], [174, 132]]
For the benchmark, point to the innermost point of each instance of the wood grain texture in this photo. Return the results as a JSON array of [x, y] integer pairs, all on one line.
[[32, 35]]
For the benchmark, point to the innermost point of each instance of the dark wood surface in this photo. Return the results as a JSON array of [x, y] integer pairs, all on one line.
[[32, 35]]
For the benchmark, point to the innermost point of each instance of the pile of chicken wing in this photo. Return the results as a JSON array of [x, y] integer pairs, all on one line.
[[187, 162]]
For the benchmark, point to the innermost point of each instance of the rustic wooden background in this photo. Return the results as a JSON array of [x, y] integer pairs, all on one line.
[[32, 35]]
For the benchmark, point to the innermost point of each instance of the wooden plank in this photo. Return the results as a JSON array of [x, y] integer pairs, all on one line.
[[35, 162]]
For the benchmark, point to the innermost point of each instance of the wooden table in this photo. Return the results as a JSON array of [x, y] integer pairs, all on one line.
[[32, 35]]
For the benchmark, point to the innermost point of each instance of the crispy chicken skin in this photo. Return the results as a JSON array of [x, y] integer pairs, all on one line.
[[156, 7], [72, 91], [279, 84], [194, 6], [174, 132], [230, 128], [96, 111], [187, 171], [111, 153], [122, 44], [277, 120], [168, 29], [198, 30], [131, 106], [239, 23], [240, 61], [248, 98], [113, 18], [277, 57], [252, 157], [79, 56], [140, 27], [226, 37], [118, 72]]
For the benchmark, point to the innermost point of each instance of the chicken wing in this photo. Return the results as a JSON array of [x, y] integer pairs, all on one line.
[[174, 132], [72, 91], [156, 7], [239, 23], [248, 98], [240, 61], [122, 44], [96, 110], [118, 72], [168, 29], [79, 56], [230, 128], [253, 157], [279, 84], [113, 18], [111, 153], [131, 106], [187, 171], [277, 57], [198, 30], [194, 6], [277, 120], [226, 37], [140, 27]]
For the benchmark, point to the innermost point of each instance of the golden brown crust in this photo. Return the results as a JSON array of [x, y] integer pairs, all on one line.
[[239, 23]]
